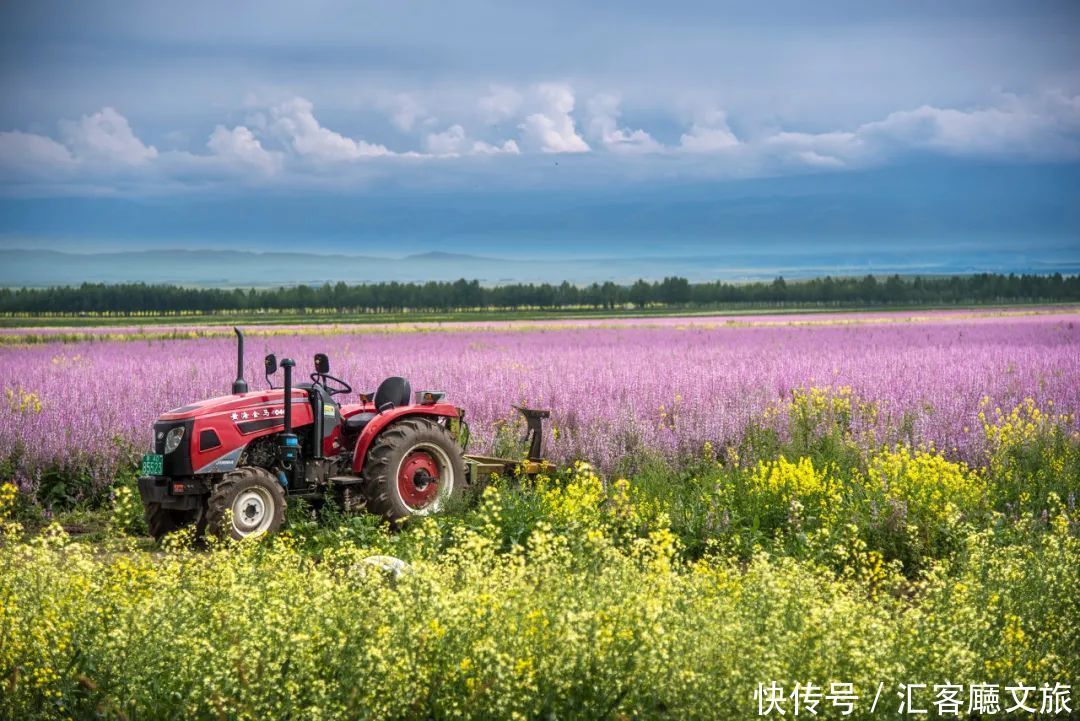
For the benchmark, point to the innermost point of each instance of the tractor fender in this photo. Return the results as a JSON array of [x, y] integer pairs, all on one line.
[[377, 424]]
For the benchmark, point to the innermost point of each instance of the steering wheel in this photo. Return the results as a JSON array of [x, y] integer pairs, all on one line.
[[321, 378]]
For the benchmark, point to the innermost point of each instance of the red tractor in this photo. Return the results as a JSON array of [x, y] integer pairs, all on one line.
[[227, 465]]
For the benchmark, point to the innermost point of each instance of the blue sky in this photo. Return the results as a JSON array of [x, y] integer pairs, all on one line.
[[536, 127]]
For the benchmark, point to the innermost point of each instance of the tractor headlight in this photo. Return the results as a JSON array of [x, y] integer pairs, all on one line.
[[172, 440]]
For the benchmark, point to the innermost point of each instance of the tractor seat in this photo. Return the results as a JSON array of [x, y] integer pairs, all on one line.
[[395, 390], [392, 392]]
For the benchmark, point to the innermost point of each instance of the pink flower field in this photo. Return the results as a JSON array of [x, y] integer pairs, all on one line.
[[616, 389]]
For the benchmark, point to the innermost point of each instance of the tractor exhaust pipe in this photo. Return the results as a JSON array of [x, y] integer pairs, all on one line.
[[289, 450], [287, 365], [239, 385]]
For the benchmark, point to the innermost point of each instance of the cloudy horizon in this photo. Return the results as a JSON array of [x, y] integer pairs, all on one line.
[[174, 105]]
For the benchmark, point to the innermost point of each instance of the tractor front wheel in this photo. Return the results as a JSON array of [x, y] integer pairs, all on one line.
[[413, 468], [246, 502], [161, 521]]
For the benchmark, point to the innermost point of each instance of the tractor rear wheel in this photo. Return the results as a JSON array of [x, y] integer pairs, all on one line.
[[412, 469], [246, 502], [161, 521]]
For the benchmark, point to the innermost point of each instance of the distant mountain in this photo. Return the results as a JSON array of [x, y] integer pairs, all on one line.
[[233, 268], [927, 218], [440, 255]]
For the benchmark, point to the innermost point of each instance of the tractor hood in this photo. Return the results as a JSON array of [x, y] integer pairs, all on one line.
[[218, 429], [238, 402]]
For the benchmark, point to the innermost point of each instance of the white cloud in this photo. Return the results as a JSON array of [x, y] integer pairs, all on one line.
[[31, 153], [604, 126], [241, 145], [453, 142], [1042, 127], [509, 147], [405, 110], [1045, 127], [552, 129], [823, 150], [107, 137], [501, 103], [709, 133], [815, 159], [101, 151], [449, 142], [294, 121]]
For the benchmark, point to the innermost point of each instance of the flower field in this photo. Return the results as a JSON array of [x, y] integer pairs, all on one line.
[[876, 500], [617, 390]]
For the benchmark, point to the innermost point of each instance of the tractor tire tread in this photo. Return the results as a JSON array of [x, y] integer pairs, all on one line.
[[378, 473], [163, 521]]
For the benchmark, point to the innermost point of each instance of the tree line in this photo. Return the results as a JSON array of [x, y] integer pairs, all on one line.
[[141, 299]]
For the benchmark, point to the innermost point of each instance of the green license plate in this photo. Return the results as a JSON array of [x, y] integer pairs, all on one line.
[[153, 464]]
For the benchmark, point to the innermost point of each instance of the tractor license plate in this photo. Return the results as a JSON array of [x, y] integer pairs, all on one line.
[[153, 464]]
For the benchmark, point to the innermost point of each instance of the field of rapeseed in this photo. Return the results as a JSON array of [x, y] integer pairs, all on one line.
[[838, 540]]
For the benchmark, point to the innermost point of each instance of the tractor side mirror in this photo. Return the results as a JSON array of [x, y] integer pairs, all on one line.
[[322, 364], [270, 364]]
